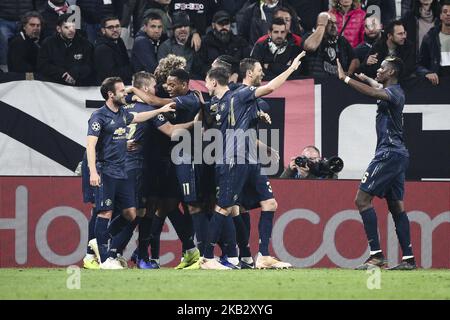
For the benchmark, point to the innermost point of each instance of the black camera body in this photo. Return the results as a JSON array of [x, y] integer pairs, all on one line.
[[322, 168]]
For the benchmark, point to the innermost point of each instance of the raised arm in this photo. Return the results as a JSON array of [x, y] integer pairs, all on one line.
[[149, 98], [313, 41], [280, 79], [361, 87]]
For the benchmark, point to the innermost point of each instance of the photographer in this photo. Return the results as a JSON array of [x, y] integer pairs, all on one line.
[[310, 155]]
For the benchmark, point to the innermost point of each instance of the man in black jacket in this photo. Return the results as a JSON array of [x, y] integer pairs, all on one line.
[[66, 57], [24, 48], [434, 58], [110, 54], [220, 41], [392, 43], [276, 53]]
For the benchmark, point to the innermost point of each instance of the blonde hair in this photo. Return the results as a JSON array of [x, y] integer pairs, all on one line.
[[335, 4], [166, 65]]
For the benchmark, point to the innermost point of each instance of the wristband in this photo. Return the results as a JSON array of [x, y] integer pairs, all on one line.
[[347, 79]]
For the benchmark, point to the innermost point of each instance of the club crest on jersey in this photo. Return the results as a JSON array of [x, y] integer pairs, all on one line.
[[78, 56], [214, 107], [108, 202], [160, 117], [120, 131], [252, 88], [95, 126]]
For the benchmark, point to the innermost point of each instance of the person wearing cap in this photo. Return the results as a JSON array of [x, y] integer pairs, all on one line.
[[220, 41], [179, 42]]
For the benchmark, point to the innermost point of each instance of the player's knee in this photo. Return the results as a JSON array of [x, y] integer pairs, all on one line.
[[141, 212], [269, 205], [129, 214], [361, 203]]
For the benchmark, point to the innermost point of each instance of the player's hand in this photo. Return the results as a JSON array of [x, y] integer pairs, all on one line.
[[129, 89], [170, 107], [94, 179], [200, 96], [372, 59], [265, 117], [132, 145], [433, 77], [341, 73], [322, 19], [196, 41], [296, 63]]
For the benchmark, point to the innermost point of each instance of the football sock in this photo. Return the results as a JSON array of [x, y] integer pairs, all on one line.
[[145, 228], [242, 237], [214, 229], [369, 218], [183, 230], [101, 226], [116, 225], [401, 222], [155, 236], [200, 224], [265, 231], [120, 241], [91, 229], [246, 219], [229, 232]]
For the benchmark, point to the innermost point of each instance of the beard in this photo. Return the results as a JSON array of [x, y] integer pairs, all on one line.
[[222, 36]]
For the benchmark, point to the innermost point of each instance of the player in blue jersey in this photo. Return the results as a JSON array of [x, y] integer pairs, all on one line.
[[385, 176], [106, 154], [231, 111], [180, 180]]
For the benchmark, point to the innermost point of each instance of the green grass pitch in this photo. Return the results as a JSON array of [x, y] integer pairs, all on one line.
[[168, 284]]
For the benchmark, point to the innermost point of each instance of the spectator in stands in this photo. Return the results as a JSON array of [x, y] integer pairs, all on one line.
[[293, 171], [285, 14], [92, 13], [110, 54], [350, 20], [179, 43], [393, 9], [372, 32], [392, 43], [324, 46], [200, 13], [145, 47], [10, 13], [276, 53], [253, 20], [434, 58], [141, 8], [50, 14], [66, 57], [308, 11], [423, 16], [220, 41], [23, 48]]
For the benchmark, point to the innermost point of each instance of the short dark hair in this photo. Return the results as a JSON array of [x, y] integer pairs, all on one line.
[[277, 21], [396, 64], [28, 15], [444, 3], [282, 9], [140, 78], [247, 64], [180, 74], [390, 27], [63, 19], [219, 74], [151, 16], [108, 18], [109, 84], [228, 62]]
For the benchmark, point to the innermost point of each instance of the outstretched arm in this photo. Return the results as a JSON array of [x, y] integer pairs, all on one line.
[[371, 82], [144, 116], [280, 79], [361, 87], [149, 98]]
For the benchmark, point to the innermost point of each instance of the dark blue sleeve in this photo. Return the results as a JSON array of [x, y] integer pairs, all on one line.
[[394, 96], [95, 124], [247, 94], [128, 117], [189, 102]]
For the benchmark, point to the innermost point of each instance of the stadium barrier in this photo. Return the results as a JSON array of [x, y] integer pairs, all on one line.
[[43, 223]]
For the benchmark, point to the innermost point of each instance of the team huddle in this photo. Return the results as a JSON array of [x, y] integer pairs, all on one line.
[[135, 174], [131, 178]]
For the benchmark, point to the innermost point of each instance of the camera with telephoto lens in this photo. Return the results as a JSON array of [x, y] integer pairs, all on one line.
[[322, 168]]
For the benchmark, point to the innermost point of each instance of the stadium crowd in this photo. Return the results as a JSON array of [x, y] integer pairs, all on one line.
[[121, 37]]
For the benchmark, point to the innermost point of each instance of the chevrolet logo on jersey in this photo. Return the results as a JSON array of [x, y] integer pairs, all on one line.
[[120, 131]]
